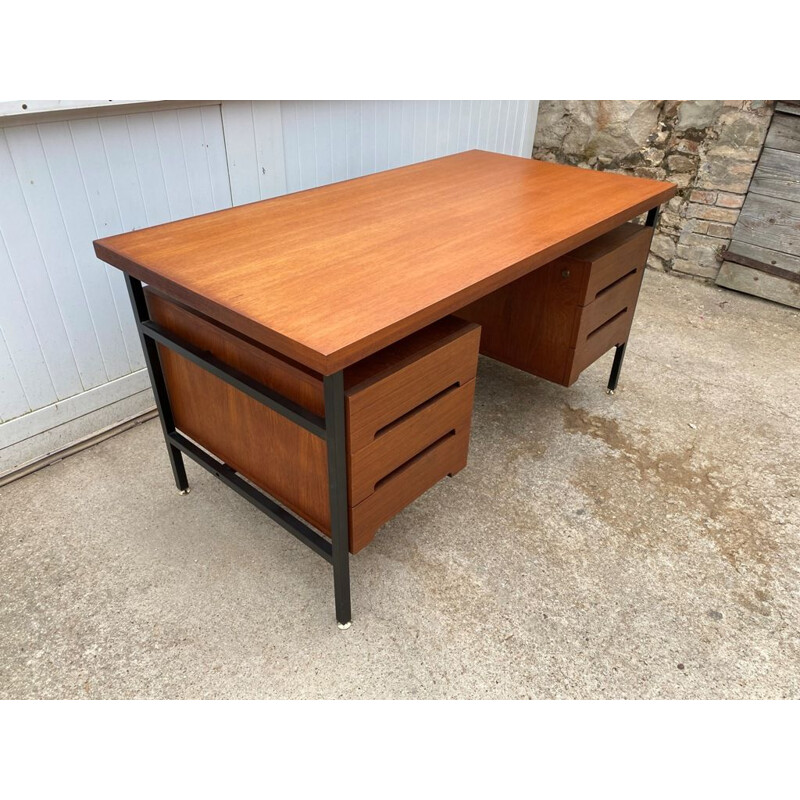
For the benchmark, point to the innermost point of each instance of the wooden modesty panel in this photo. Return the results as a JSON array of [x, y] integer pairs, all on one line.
[[328, 276], [558, 320], [408, 410]]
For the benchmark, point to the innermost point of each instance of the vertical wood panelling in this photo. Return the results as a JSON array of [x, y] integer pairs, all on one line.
[[213, 142], [173, 163], [104, 206], [13, 402], [20, 337], [62, 160], [324, 153], [328, 141], [65, 322], [33, 280], [338, 127], [269, 148], [352, 118], [367, 137], [253, 140], [45, 215], [382, 122], [395, 133], [144, 144], [306, 145]]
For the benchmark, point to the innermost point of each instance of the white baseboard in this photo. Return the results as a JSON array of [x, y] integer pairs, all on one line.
[[48, 430], [32, 424]]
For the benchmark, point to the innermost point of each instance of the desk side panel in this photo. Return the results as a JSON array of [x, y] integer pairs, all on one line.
[[277, 455]]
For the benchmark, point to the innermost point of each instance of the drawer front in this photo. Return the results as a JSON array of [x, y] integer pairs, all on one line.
[[613, 332], [372, 407], [445, 457], [612, 301], [623, 259], [407, 436]]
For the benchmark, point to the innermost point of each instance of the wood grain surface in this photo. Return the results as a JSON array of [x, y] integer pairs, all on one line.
[[333, 274], [557, 320], [400, 402]]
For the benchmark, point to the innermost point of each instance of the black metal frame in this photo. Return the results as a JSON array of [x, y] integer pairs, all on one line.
[[619, 352], [335, 551]]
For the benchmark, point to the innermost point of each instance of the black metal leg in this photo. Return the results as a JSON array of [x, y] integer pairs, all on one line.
[[337, 484], [156, 373], [613, 379], [619, 353]]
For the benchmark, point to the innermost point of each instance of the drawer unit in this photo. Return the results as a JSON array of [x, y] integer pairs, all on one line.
[[558, 319], [408, 411]]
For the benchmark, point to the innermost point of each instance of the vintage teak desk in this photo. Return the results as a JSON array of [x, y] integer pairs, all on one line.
[[317, 351]]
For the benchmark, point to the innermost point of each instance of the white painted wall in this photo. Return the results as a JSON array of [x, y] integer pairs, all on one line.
[[70, 361], [70, 358]]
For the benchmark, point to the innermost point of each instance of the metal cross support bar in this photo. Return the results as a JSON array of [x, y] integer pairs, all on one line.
[[244, 383], [619, 352], [332, 429], [263, 502]]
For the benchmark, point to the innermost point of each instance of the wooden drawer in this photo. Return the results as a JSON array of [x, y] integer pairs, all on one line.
[[602, 262], [399, 403], [408, 435], [557, 320], [617, 299], [395, 491]]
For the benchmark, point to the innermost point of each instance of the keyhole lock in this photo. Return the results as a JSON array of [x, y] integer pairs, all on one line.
[[565, 273]]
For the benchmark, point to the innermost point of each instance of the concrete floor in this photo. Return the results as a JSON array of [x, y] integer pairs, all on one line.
[[638, 546]]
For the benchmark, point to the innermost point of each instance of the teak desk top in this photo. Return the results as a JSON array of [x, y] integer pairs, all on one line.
[[330, 275]]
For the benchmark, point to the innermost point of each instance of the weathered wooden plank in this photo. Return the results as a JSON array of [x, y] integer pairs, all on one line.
[[784, 133], [26, 277], [782, 261], [778, 174], [788, 107], [770, 222], [752, 281]]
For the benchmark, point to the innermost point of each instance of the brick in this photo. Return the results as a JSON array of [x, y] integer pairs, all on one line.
[[720, 230], [692, 267], [703, 196], [663, 246], [712, 213], [695, 226], [734, 152], [697, 240], [725, 174], [727, 200]]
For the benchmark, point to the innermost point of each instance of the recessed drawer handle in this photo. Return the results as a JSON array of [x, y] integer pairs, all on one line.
[[418, 457], [615, 283], [417, 409], [606, 323]]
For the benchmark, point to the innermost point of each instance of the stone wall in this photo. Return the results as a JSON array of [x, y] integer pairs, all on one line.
[[709, 148]]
